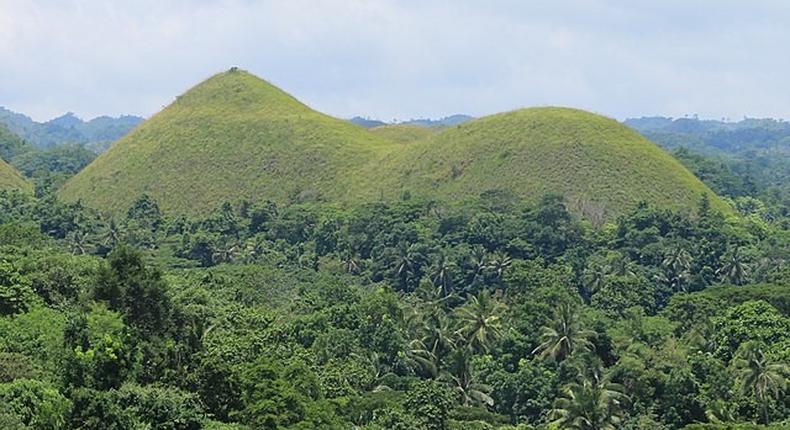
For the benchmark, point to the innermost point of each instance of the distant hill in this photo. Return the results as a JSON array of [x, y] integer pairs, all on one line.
[[367, 122], [96, 134], [448, 121], [236, 137], [755, 150], [421, 122]]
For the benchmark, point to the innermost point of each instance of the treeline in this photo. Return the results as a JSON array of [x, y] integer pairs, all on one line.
[[500, 314]]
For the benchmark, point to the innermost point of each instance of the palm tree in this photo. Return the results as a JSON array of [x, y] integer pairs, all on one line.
[[733, 267], [226, 253], [461, 379], [78, 242], [761, 377], [621, 265], [111, 235], [479, 262], [480, 321], [499, 264], [432, 338], [406, 266], [594, 277], [591, 404], [441, 275], [564, 336], [677, 266]]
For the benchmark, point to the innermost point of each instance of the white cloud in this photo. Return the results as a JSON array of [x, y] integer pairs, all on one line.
[[401, 59]]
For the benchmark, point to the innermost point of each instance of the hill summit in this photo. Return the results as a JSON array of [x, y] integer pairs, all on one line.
[[235, 137], [232, 137]]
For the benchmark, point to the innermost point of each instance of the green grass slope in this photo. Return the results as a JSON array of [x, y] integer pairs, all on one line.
[[11, 179], [601, 166], [403, 133], [232, 137], [236, 137]]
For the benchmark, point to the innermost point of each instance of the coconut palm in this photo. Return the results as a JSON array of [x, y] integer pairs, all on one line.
[[111, 234], [594, 277], [733, 267], [677, 266], [760, 377], [226, 253], [460, 377], [406, 264], [479, 263], [441, 275], [480, 321], [564, 336], [591, 404], [78, 242], [499, 263]]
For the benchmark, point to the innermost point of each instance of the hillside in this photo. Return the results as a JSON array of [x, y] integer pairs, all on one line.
[[232, 137], [10, 178], [236, 137], [602, 166], [403, 133]]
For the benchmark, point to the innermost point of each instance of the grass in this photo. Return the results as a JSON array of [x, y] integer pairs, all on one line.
[[403, 133], [232, 137], [10, 178], [601, 166], [237, 137]]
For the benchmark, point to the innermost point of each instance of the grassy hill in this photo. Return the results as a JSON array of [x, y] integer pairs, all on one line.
[[232, 137], [403, 133], [602, 166], [236, 137], [10, 178]]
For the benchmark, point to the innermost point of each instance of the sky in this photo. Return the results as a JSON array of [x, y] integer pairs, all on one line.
[[397, 60]]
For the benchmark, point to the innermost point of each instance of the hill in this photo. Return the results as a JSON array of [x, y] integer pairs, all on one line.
[[236, 137], [10, 178], [232, 137], [96, 134], [602, 166], [403, 133]]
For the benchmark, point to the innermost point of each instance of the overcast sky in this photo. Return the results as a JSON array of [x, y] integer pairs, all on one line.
[[403, 59]]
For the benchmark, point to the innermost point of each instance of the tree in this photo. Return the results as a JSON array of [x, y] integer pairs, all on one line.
[[564, 336], [480, 321], [146, 213], [594, 278], [129, 287], [430, 403], [676, 266], [441, 273], [499, 263], [594, 403], [461, 379], [760, 376], [16, 293], [35, 403], [733, 267]]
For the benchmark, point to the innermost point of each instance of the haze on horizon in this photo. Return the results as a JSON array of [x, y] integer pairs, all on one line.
[[402, 59]]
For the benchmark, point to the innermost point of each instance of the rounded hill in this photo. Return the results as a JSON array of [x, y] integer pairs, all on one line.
[[236, 137], [232, 137], [601, 166]]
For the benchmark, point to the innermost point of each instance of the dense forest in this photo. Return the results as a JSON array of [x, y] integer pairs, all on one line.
[[493, 314]]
